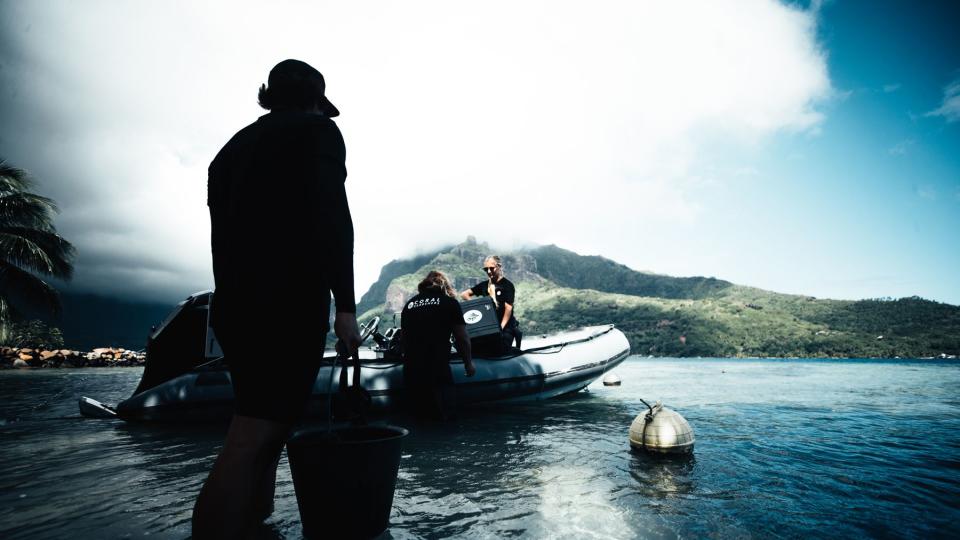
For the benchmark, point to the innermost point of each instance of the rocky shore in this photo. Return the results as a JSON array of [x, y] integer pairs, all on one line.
[[65, 358]]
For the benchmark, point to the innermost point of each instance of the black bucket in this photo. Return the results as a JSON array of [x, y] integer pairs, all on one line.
[[345, 479]]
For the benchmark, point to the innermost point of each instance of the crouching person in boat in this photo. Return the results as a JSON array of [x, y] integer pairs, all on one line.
[[427, 321], [503, 293]]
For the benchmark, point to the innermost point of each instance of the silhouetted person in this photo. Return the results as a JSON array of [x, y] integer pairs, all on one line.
[[428, 320], [282, 240], [504, 294]]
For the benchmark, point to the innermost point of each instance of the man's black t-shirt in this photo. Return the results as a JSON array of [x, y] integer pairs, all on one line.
[[505, 293], [427, 321]]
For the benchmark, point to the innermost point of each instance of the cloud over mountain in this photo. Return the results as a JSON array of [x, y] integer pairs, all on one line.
[[535, 121]]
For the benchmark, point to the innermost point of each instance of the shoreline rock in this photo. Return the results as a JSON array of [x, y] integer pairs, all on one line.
[[13, 358]]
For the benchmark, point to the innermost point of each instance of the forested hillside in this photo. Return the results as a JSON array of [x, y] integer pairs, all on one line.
[[681, 316]]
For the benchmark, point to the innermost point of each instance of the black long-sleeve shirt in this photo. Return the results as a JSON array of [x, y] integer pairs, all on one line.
[[282, 235]]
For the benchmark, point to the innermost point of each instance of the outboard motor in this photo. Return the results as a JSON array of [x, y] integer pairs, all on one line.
[[179, 344]]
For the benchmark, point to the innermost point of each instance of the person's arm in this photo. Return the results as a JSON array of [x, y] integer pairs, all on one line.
[[338, 223], [336, 232], [475, 291], [508, 297], [507, 312], [462, 342]]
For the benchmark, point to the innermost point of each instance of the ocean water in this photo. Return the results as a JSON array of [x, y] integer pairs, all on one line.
[[785, 449]]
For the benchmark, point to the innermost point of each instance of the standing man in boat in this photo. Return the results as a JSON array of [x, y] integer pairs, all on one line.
[[282, 241], [503, 293], [427, 321]]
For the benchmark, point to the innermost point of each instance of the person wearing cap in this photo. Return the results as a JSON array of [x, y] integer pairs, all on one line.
[[503, 293], [282, 241]]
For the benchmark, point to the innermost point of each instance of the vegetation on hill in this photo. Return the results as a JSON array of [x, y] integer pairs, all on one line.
[[567, 269], [394, 269], [669, 316]]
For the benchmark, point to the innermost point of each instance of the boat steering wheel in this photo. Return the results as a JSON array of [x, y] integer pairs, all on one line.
[[368, 329]]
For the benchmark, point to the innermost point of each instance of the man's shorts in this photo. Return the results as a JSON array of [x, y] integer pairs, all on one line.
[[275, 389]]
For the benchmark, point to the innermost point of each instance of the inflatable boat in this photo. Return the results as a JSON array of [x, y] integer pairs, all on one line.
[[186, 379]]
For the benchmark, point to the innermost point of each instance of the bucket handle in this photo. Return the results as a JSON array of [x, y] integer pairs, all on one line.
[[341, 360]]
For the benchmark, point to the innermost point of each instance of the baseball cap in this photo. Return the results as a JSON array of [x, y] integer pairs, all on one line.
[[291, 77]]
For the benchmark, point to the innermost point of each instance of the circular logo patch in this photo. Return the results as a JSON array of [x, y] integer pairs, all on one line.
[[472, 317], [410, 305]]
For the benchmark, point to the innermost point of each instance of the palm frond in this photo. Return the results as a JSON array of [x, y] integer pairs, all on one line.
[[27, 210], [18, 286], [4, 321], [13, 179], [38, 251]]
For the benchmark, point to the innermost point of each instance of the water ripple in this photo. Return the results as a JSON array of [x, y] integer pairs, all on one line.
[[784, 450]]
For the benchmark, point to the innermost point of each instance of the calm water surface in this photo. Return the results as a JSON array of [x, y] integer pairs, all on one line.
[[784, 449]]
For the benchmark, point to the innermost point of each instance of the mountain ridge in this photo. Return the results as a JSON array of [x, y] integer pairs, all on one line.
[[661, 315], [682, 316]]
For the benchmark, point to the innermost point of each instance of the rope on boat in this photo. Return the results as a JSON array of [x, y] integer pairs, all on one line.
[[545, 349], [548, 349]]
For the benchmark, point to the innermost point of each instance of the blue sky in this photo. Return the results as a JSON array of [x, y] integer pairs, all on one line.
[[808, 149], [877, 192], [868, 204]]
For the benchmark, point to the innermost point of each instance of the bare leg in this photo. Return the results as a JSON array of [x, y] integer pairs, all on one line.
[[227, 500], [266, 489]]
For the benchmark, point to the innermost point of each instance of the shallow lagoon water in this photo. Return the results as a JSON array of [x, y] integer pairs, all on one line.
[[785, 448]]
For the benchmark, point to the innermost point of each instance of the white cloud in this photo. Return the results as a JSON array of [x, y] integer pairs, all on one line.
[[926, 191], [902, 147], [842, 95], [515, 122], [888, 88], [949, 109]]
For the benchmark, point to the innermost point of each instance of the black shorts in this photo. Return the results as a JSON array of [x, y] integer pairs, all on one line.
[[274, 389], [429, 391]]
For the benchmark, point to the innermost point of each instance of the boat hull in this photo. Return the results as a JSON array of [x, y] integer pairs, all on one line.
[[551, 366]]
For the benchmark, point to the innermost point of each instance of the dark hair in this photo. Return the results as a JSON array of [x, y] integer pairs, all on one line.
[[438, 280], [300, 94]]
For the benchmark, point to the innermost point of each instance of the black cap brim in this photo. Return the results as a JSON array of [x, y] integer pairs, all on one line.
[[329, 109]]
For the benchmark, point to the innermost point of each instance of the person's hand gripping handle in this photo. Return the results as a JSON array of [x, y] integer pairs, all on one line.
[[346, 329]]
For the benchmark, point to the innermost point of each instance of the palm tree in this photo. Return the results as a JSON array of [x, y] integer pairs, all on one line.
[[29, 245]]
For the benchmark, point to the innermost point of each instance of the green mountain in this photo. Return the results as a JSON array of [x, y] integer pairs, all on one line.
[[670, 316]]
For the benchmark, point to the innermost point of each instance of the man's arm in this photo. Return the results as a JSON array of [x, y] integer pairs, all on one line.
[[507, 311], [462, 342], [340, 275], [345, 327], [337, 223], [474, 291], [336, 232], [339, 262]]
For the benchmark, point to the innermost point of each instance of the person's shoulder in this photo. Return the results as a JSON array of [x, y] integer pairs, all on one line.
[[507, 283], [239, 140], [322, 126], [411, 300], [325, 135]]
